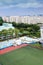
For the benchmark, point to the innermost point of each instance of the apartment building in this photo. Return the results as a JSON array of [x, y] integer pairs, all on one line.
[[24, 19]]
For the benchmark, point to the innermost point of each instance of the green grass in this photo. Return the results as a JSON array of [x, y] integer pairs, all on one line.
[[23, 56]]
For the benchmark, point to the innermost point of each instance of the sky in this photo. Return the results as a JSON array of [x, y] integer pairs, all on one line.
[[21, 7]]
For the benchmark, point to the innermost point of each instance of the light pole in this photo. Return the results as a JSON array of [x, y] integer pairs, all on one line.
[[41, 31]]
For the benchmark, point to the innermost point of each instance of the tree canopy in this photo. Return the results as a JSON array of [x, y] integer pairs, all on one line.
[[1, 21]]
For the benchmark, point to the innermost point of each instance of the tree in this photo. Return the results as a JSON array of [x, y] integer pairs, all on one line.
[[1, 21], [11, 32], [4, 32], [14, 24], [16, 32]]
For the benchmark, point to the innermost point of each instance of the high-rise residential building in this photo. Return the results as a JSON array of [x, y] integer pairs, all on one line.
[[6, 18], [24, 19]]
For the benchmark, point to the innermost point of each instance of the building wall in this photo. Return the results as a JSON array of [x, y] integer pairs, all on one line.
[[24, 19]]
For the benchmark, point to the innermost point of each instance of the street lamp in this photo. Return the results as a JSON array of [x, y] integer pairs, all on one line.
[[41, 31]]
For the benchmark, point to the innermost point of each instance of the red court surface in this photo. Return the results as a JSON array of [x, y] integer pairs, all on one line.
[[3, 51]]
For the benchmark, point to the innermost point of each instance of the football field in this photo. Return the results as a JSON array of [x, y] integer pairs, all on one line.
[[23, 56]]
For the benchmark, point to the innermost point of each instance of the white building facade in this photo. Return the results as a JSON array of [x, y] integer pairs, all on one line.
[[24, 19]]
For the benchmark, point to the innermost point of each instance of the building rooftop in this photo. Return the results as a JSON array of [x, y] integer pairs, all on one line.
[[6, 26]]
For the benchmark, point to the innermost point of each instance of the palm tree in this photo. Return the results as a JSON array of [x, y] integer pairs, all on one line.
[[11, 32], [0, 34], [4, 33], [16, 32]]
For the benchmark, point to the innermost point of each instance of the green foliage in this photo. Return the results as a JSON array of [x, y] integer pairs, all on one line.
[[1, 21], [36, 45], [32, 30], [4, 32], [16, 32], [7, 33], [14, 24]]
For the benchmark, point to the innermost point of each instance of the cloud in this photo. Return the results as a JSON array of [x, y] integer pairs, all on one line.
[[20, 3], [27, 5], [24, 5]]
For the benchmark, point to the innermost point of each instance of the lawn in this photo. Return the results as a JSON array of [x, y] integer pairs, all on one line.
[[23, 56]]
